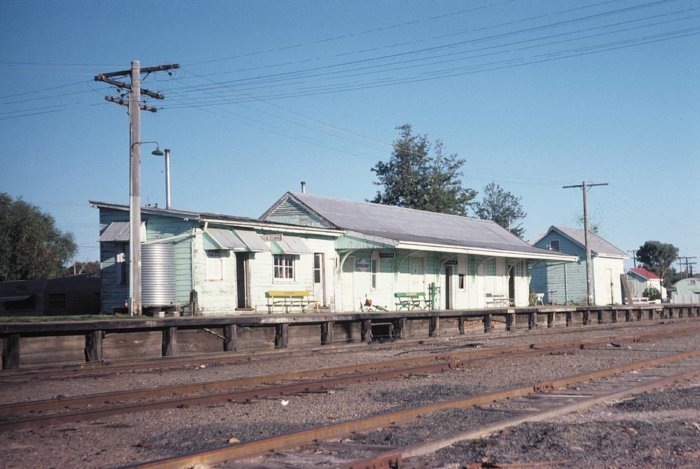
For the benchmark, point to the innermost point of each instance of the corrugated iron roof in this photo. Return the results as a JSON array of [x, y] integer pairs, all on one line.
[[252, 240], [290, 245], [644, 273], [226, 239], [418, 226], [116, 232], [598, 245]]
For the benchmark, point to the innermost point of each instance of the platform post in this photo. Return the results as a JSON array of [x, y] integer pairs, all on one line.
[[93, 346], [366, 331], [326, 332], [230, 338], [510, 322], [169, 345], [10, 352], [281, 335], [434, 327]]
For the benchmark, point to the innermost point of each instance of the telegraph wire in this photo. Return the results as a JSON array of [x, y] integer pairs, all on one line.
[[471, 69], [51, 88], [455, 44], [403, 43], [351, 35], [227, 84]]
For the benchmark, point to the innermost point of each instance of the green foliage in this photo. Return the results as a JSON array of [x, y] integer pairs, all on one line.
[[593, 226], [413, 178], [31, 247], [532, 298], [657, 257], [652, 293], [502, 207]]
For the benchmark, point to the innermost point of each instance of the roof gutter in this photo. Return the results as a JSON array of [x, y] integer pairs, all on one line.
[[485, 252], [281, 228]]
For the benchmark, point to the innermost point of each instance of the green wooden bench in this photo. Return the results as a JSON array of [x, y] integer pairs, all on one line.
[[410, 300], [288, 300]]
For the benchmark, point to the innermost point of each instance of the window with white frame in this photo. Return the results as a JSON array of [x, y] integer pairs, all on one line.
[[283, 267], [214, 268], [374, 268], [318, 267]]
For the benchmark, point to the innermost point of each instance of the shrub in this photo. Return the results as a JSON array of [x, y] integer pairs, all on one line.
[[652, 293]]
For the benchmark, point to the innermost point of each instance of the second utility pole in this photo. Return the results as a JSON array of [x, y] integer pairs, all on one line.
[[134, 104], [585, 186]]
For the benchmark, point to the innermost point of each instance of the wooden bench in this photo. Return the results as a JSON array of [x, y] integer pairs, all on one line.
[[640, 300], [497, 301], [288, 300], [410, 300]]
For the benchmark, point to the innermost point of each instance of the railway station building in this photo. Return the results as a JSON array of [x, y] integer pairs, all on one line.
[[315, 253]]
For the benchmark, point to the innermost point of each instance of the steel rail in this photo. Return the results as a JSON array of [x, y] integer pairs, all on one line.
[[389, 458], [115, 402], [247, 395], [213, 386], [258, 447]]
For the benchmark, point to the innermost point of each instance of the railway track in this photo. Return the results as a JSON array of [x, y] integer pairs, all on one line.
[[107, 367], [536, 401], [26, 415]]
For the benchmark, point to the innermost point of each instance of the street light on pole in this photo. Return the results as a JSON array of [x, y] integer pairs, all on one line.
[[167, 174], [134, 302]]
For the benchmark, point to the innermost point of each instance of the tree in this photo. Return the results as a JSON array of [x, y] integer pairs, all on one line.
[[657, 257], [502, 207], [31, 247], [593, 226], [414, 178]]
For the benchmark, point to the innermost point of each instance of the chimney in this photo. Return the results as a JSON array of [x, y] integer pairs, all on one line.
[[303, 187]]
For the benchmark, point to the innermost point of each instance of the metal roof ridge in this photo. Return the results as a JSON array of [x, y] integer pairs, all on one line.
[[390, 207]]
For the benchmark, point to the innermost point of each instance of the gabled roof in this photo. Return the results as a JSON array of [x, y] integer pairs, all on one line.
[[644, 273], [217, 219], [598, 245], [406, 228]]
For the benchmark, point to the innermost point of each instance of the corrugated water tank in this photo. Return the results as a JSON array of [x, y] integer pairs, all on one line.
[[157, 275]]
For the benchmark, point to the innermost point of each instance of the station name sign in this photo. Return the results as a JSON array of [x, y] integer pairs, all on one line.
[[272, 237]]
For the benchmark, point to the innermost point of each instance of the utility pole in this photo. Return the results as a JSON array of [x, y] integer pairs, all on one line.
[[135, 106], [634, 256], [585, 187], [688, 265]]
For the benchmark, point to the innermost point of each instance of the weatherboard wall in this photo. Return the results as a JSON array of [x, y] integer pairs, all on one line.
[[565, 283], [114, 292]]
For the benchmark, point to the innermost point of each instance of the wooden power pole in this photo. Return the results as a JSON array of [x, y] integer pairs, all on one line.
[[585, 187], [135, 106]]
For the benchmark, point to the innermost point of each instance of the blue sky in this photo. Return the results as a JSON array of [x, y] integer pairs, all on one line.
[[534, 95]]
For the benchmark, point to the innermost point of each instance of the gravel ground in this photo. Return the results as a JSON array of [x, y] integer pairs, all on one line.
[[658, 429], [123, 440]]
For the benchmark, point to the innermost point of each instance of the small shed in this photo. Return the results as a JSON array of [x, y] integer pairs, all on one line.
[[565, 283], [639, 279], [686, 291]]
